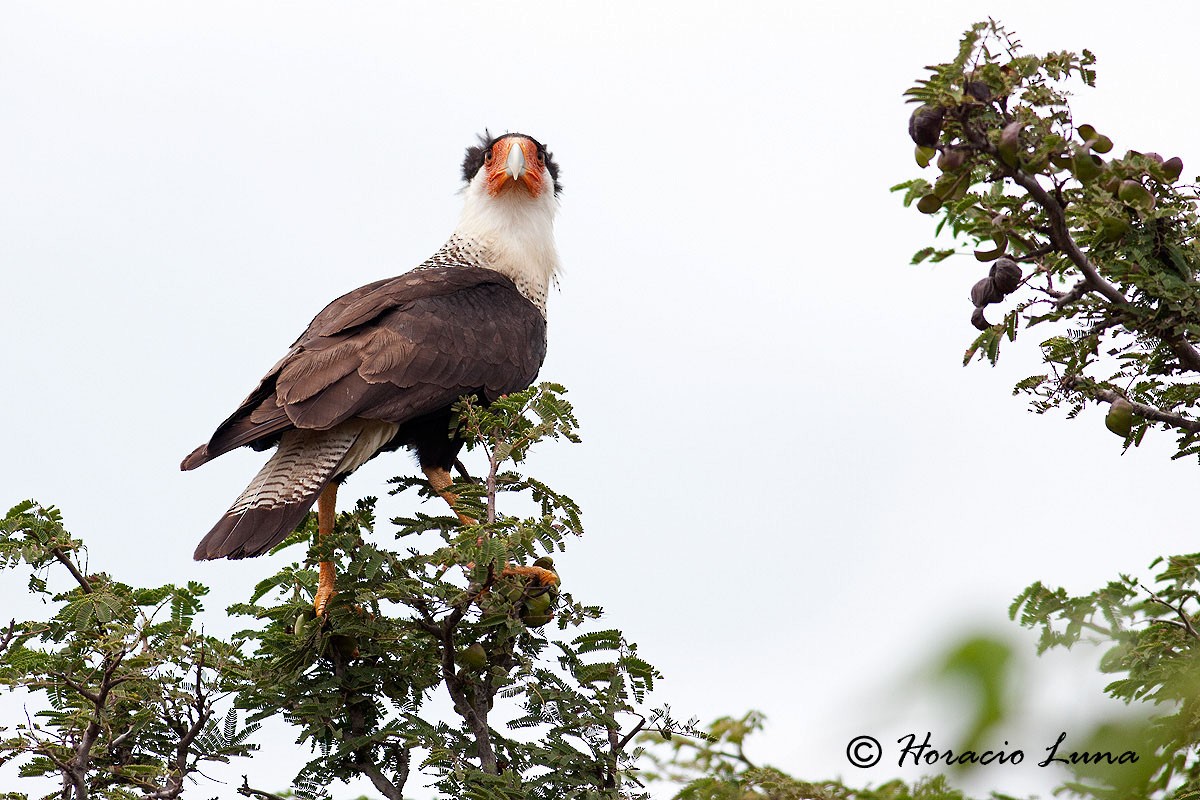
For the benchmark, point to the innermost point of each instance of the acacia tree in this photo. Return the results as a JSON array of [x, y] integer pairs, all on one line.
[[1100, 250], [130, 690], [1103, 252], [127, 685]]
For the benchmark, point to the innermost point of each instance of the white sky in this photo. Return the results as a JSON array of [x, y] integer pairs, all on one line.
[[793, 492]]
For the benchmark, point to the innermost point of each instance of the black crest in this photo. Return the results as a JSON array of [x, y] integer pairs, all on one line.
[[473, 161]]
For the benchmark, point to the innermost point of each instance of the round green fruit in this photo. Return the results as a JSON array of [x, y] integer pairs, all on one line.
[[473, 657], [303, 620], [537, 610], [1136, 195], [1113, 228], [512, 590], [537, 620], [1119, 418], [1086, 166]]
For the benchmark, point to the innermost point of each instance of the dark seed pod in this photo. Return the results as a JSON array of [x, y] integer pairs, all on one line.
[[979, 90], [1173, 167], [929, 204], [980, 321], [950, 160], [984, 292], [1006, 275], [1010, 142], [925, 125]]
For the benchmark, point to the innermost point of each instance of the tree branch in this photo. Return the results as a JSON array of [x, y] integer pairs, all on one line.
[[467, 710], [183, 747], [1060, 235], [1141, 409], [389, 790], [70, 565], [8, 636], [629, 736], [88, 694]]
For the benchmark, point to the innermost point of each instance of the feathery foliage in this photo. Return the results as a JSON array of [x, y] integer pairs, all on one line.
[[126, 683], [464, 610], [544, 702]]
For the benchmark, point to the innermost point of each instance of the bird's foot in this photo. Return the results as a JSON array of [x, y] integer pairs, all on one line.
[[325, 588]]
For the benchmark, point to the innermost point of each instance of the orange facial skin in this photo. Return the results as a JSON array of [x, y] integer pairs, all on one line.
[[498, 177]]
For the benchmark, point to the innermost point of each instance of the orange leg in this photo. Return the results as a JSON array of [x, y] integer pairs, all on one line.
[[326, 513], [441, 482], [542, 577]]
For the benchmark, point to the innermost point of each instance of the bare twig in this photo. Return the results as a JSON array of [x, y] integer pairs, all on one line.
[[1185, 621], [246, 791], [1073, 295], [8, 636], [493, 466], [629, 736]]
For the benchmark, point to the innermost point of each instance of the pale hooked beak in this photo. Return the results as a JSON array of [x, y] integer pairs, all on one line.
[[515, 166]]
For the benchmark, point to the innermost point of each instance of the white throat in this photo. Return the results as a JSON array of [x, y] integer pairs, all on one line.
[[513, 234]]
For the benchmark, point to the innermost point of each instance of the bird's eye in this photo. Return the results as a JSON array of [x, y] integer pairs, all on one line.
[[487, 156]]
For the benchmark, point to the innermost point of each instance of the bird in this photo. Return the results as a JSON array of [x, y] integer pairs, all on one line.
[[381, 367]]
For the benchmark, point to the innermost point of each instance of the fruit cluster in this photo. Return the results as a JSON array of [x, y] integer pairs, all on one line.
[[1002, 280]]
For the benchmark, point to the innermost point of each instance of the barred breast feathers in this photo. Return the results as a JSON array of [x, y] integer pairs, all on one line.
[[509, 234]]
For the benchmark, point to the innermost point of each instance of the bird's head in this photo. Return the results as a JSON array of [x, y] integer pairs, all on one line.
[[511, 199], [513, 162]]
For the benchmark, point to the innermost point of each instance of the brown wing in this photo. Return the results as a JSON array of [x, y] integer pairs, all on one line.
[[393, 350]]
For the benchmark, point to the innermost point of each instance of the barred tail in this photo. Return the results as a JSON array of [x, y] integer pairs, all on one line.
[[275, 502]]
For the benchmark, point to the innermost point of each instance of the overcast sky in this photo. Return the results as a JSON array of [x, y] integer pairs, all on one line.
[[793, 492]]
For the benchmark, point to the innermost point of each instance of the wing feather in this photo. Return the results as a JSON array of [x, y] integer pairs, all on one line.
[[394, 350]]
